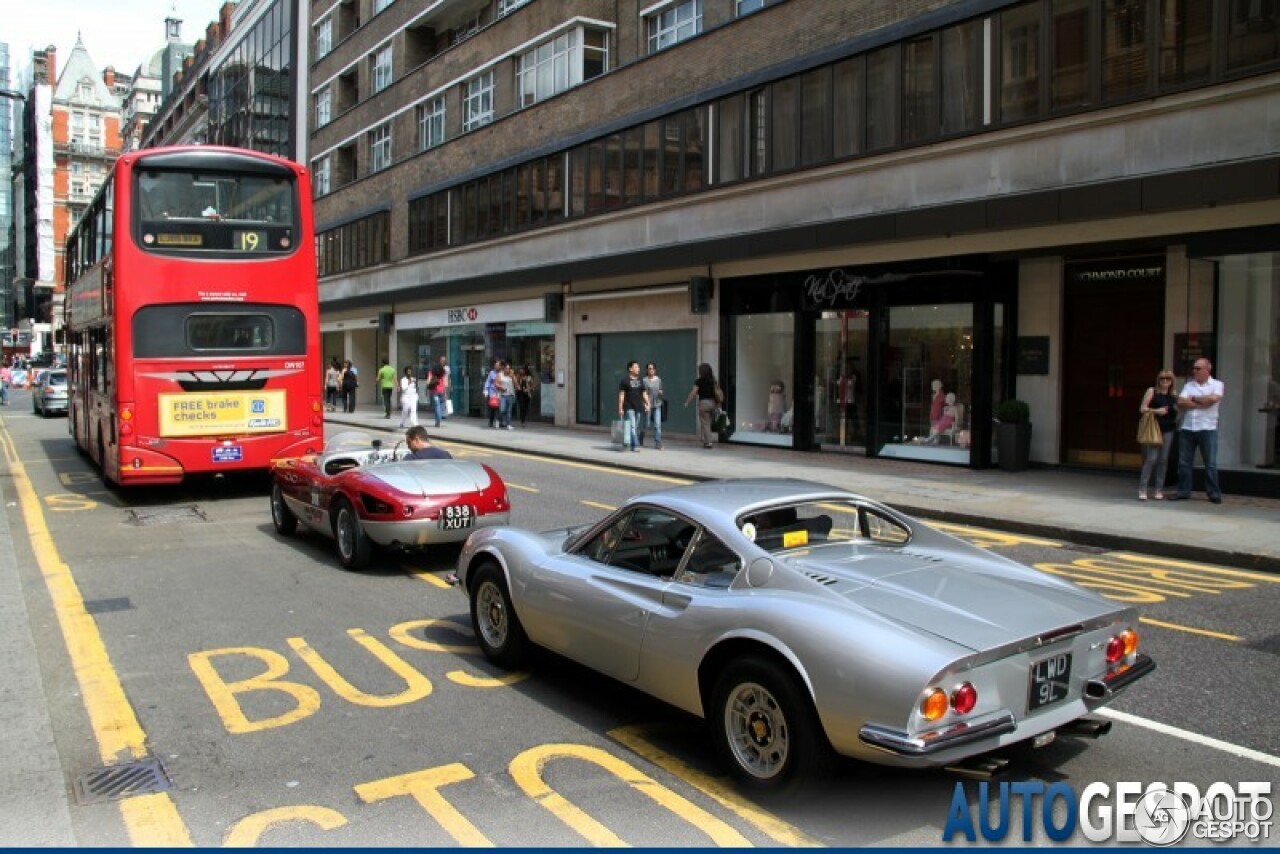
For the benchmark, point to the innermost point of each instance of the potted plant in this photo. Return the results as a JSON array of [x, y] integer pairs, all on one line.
[[1013, 434]]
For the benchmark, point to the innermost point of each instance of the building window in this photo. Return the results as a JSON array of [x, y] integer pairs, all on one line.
[[381, 64], [506, 7], [477, 101], [320, 177], [380, 148], [430, 124], [324, 37], [1020, 63], [379, 5], [746, 7], [562, 63], [324, 106], [674, 24]]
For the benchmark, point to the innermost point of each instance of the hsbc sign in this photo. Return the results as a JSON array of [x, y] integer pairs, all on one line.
[[494, 312]]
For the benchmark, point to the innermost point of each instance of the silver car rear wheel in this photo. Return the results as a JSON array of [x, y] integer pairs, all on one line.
[[758, 731], [765, 727]]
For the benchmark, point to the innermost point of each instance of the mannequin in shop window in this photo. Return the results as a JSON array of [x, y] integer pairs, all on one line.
[[776, 407], [946, 425], [937, 403]]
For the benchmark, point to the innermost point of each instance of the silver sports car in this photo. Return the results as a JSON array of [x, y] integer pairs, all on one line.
[[799, 619]]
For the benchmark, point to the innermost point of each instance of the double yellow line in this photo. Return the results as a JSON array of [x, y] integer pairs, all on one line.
[[151, 820]]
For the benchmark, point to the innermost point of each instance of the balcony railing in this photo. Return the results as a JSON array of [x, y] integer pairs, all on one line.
[[86, 149]]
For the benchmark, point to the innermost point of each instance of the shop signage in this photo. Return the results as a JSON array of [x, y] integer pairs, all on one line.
[[1033, 355], [832, 288], [1189, 346], [496, 312], [1120, 274]]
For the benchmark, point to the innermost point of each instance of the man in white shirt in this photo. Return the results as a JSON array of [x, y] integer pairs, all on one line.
[[1199, 399]]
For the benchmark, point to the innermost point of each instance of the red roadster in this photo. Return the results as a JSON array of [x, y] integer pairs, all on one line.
[[363, 494]]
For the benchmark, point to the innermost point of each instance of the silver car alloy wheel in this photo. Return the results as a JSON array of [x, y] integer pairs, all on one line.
[[491, 614], [757, 730]]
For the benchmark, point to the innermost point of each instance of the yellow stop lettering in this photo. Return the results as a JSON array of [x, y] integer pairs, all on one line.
[[246, 832], [424, 787], [527, 771]]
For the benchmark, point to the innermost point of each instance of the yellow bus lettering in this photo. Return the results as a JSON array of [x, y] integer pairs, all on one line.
[[223, 693], [417, 686]]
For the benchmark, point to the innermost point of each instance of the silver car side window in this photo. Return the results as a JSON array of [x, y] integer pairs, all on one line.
[[653, 542], [710, 563], [600, 547], [881, 529]]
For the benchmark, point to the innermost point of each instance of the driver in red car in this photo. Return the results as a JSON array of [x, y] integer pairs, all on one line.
[[420, 447]]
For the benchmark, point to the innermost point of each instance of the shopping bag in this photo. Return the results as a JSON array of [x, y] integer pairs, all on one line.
[[721, 424], [1149, 430], [448, 406], [620, 431]]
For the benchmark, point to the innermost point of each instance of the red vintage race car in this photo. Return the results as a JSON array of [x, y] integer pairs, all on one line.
[[363, 494]]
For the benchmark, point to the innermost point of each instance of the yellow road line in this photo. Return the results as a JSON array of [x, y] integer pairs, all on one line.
[[153, 819], [429, 577], [596, 504], [511, 485], [1206, 632]]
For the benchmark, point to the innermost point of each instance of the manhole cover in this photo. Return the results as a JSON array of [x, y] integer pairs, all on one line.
[[122, 781], [164, 515]]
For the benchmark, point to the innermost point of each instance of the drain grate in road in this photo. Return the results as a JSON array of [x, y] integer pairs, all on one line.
[[164, 515], [106, 606], [122, 781]]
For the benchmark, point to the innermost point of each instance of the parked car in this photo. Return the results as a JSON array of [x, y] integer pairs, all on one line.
[[49, 392], [363, 494], [803, 621]]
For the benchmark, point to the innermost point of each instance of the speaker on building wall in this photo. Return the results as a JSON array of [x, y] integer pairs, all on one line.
[[384, 321], [699, 295], [552, 306]]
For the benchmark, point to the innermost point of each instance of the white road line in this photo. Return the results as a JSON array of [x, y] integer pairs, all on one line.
[[1187, 735]]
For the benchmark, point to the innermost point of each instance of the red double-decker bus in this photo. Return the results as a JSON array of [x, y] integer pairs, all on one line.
[[192, 316]]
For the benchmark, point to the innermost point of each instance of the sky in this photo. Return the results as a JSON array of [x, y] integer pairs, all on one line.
[[120, 33]]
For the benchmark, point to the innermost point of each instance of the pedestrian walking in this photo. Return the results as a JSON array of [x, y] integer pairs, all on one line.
[[6, 378], [408, 398], [633, 404], [524, 393], [386, 384], [1199, 400], [491, 398], [439, 389], [1161, 400], [505, 384], [332, 384], [657, 398], [350, 383], [709, 396]]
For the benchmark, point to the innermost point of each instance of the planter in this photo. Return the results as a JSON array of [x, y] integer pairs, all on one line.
[[1013, 445]]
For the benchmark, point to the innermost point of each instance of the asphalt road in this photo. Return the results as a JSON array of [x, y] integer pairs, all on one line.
[[293, 703]]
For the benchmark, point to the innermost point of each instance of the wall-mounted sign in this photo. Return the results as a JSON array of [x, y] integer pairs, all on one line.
[[1189, 346], [1032, 357]]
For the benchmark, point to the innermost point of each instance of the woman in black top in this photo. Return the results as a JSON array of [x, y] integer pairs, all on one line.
[[706, 390], [1163, 401]]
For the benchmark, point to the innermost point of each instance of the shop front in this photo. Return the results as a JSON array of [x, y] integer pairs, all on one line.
[[471, 338], [900, 361]]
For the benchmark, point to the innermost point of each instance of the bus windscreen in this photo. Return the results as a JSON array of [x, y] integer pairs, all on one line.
[[180, 211]]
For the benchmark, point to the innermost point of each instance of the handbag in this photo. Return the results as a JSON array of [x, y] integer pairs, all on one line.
[[493, 401], [1149, 430], [448, 406], [620, 433]]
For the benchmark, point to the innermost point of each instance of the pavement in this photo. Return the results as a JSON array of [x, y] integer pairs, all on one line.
[[1088, 508]]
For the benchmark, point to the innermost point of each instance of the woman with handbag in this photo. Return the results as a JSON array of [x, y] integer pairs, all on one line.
[[1160, 404], [709, 396]]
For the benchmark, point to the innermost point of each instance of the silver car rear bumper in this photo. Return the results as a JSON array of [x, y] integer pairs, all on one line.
[[896, 741]]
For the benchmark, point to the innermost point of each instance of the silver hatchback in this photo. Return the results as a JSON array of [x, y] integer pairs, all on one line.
[[49, 392]]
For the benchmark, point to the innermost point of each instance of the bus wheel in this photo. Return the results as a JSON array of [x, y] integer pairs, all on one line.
[[354, 546], [281, 516]]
